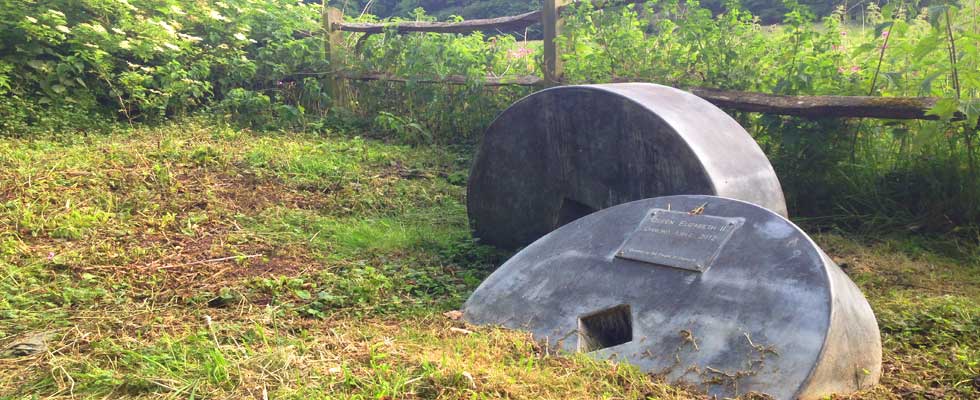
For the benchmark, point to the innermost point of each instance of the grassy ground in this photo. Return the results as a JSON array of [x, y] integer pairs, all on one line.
[[190, 261]]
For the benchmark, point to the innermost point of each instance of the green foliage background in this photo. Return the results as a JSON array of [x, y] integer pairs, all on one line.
[[440, 8], [144, 60], [770, 11], [70, 66], [186, 211]]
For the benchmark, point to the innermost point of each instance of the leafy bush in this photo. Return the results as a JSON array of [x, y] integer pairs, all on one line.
[[144, 60], [402, 128], [865, 173], [64, 65]]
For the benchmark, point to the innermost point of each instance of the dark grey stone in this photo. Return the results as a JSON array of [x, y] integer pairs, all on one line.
[[566, 152], [770, 313]]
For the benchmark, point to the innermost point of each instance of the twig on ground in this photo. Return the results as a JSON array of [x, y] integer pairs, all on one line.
[[213, 260]]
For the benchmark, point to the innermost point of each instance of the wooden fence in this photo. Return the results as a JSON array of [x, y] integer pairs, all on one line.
[[550, 17]]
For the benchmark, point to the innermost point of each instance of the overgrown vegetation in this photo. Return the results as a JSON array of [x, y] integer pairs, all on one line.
[[769, 11], [144, 60], [203, 261], [858, 174], [69, 66], [185, 212]]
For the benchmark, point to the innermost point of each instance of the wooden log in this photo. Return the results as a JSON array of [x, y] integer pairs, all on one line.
[[822, 106], [451, 80], [907, 108], [333, 43], [551, 19], [515, 22]]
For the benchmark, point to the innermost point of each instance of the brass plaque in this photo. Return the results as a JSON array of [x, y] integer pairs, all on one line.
[[679, 239]]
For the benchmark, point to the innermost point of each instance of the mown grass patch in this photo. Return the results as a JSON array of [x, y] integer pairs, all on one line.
[[198, 261], [926, 296]]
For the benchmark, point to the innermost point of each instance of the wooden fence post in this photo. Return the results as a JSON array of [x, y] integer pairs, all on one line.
[[333, 45], [551, 19]]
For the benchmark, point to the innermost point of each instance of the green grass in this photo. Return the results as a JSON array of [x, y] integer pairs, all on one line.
[[200, 261]]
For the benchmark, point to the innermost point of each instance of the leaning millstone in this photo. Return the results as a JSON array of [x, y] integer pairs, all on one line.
[[566, 152], [706, 291]]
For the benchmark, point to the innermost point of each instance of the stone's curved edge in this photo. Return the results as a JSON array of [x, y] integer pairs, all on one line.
[[730, 176], [473, 191], [481, 152], [851, 327], [743, 173], [544, 242], [853, 344]]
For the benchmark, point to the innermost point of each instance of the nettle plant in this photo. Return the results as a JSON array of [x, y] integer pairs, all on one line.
[[262, 63], [906, 48], [452, 113], [143, 60]]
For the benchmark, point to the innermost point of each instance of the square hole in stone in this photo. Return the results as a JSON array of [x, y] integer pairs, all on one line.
[[606, 328]]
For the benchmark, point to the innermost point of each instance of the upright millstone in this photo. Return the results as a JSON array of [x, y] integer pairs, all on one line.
[[566, 152], [712, 292]]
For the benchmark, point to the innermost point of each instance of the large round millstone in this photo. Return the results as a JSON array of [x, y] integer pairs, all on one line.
[[712, 292], [565, 152]]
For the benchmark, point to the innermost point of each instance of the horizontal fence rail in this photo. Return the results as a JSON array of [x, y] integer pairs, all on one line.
[[504, 23], [904, 108], [822, 106], [509, 23], [451, 80], [907, 108]]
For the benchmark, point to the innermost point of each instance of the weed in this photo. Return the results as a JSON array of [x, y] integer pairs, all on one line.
[[198, 261]]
